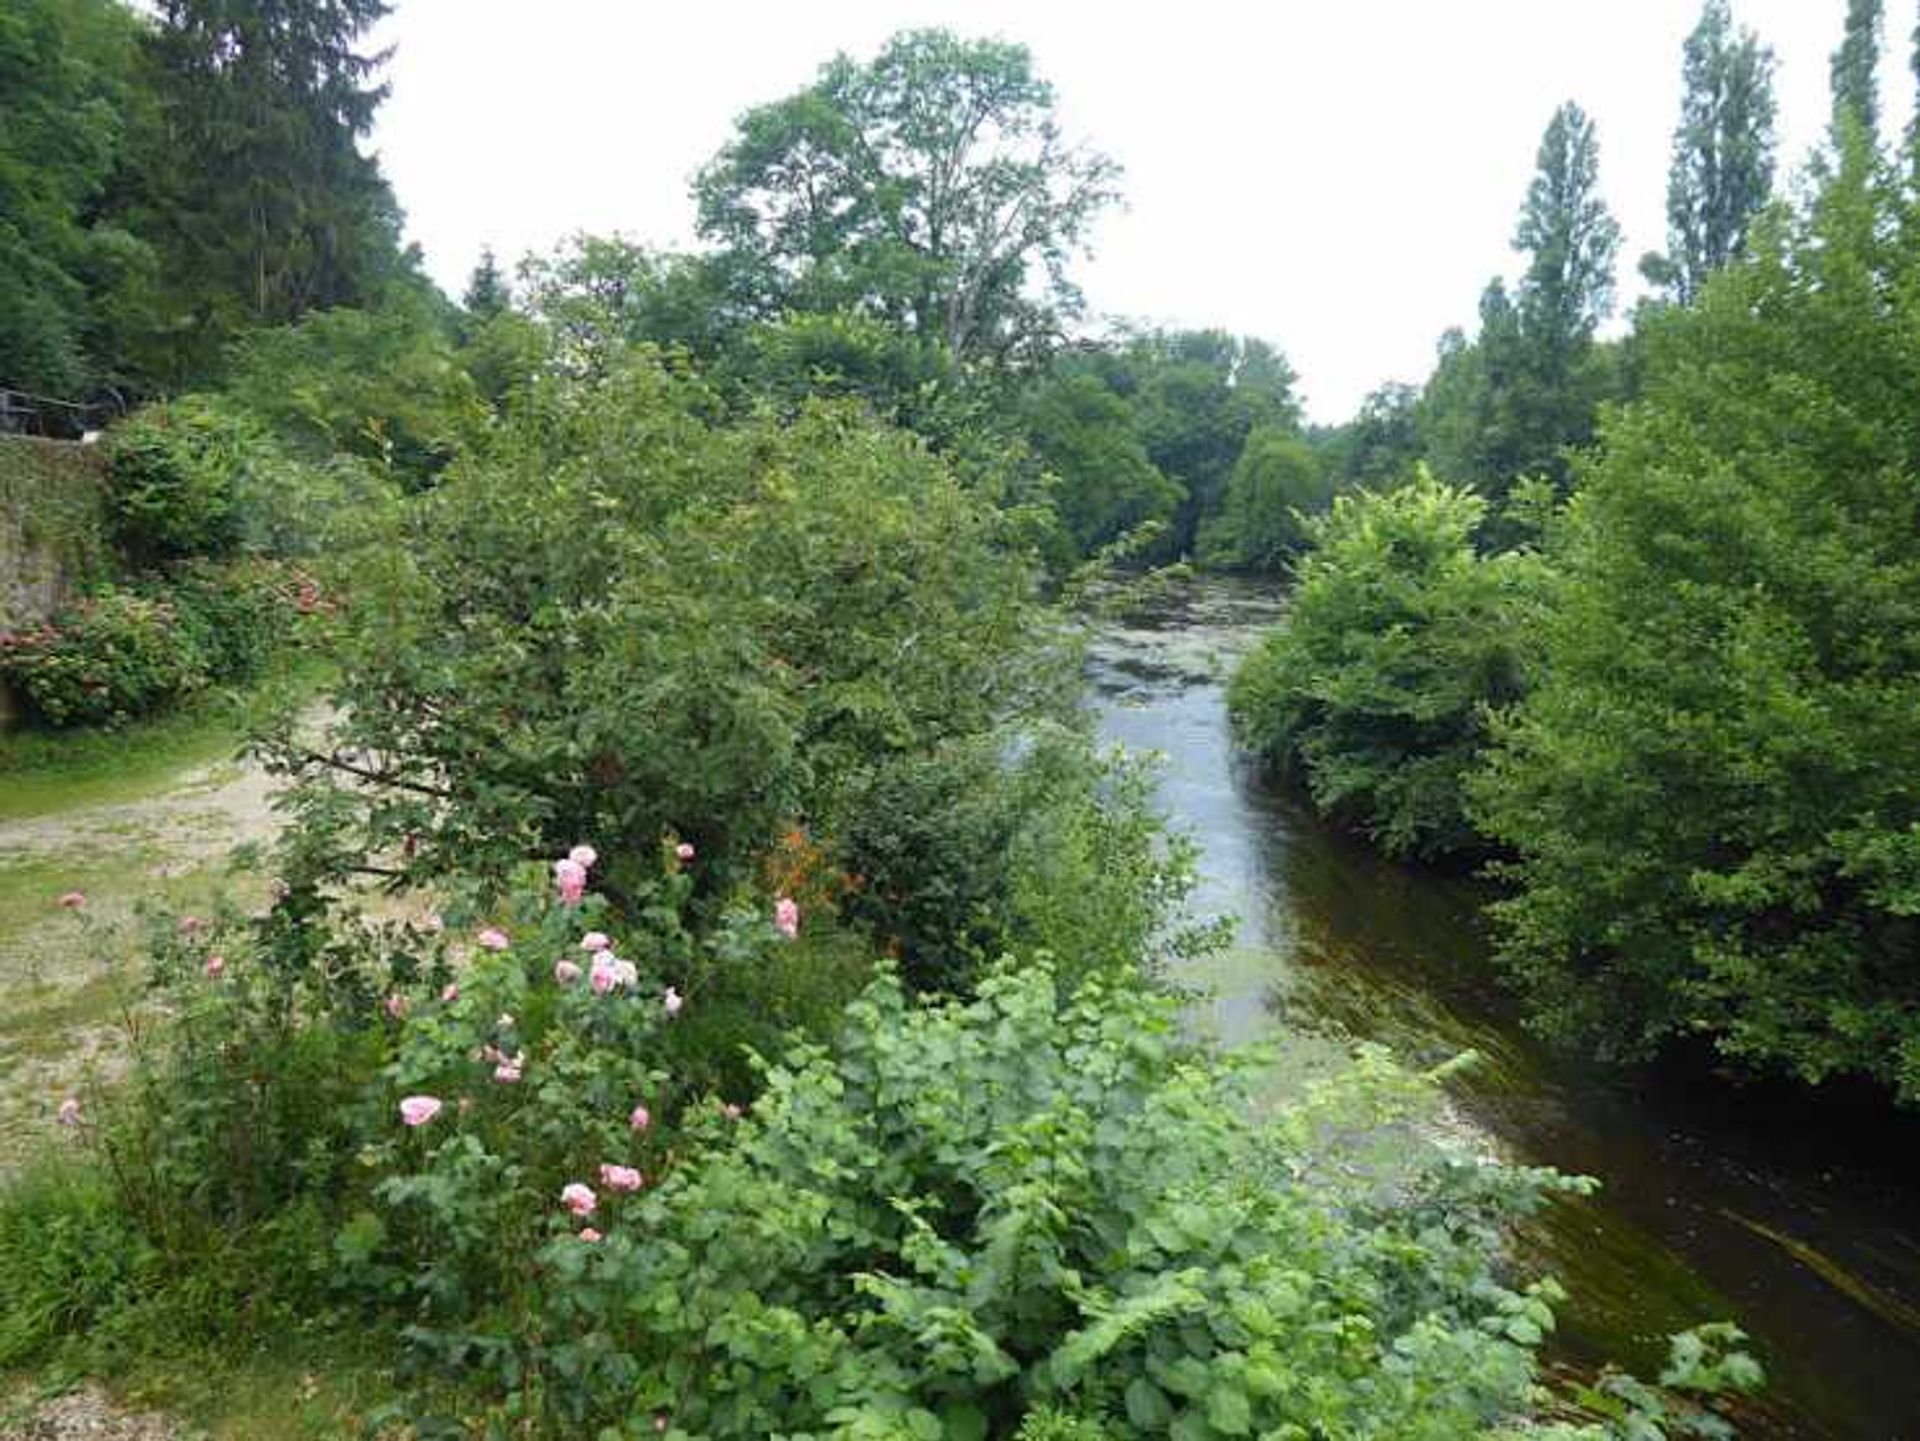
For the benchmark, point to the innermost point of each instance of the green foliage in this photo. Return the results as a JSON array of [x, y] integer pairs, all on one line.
[[1723, 148], [1026, 1209], [173, 178], [1379, 446], [487, 294], [1032, 1211], [629, 620], [1712, 789], [598, 296], [173, 475], [845, 355], [53, 527], [237, 617], [1855, 85], [930, 187], [1277, 486], [248, 175], [69, 1262], [64, 67], [1525, 392], [126, 651], [384, 387], [1569, 239], [1107, 487], [1036, 845], [116, 655], [1376, 687], [321, 513]]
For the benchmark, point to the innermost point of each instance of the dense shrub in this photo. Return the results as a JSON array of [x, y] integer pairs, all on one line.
[[237, 616], [173, 472], [116, 655], [1377, 685], [1714, 793], [319, 512], [1034, 844], [630, 620], [127, 651]]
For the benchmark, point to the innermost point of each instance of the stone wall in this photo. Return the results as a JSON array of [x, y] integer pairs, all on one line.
[[52, 531]]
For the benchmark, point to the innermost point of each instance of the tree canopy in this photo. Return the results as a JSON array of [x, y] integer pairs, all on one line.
[[931, 186]]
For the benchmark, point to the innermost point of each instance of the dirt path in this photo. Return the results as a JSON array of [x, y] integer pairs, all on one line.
[[65, 975]]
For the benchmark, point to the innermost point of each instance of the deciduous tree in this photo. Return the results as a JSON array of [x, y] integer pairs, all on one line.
[[931, 186]]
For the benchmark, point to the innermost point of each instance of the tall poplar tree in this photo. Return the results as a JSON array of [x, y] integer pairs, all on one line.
[[1856, 92], [1570, 238], [1525, 391], [1723, 152]]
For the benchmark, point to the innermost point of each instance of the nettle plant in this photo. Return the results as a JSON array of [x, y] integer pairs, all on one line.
[[1030, 1214]]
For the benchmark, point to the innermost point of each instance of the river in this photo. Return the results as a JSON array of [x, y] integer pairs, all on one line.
[[1796, 1216]]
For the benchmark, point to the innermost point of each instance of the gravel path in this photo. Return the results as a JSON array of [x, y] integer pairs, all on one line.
[[65, 981], [86, 1413]]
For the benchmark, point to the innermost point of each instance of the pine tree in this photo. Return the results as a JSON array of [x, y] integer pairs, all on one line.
[[1855, 91], [253, 171], [1723, 152], [487, 290]]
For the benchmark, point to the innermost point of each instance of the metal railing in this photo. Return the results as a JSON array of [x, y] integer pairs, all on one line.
[[24, 413]]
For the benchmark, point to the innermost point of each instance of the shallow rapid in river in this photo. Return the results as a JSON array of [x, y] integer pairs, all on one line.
[[1796, 1216]]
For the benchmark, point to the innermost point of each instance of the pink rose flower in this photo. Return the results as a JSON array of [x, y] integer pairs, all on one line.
[[191, 925], [70, 1112], [578, 1198], [610, 972], [640, 1119], [508, 1071], [493, 939], [566, 972], [583, 856], [73, 900], [589, 1235], [215, 966], [621, 1178], [786, 917], [451, 993], [672, 1002], [418, 1110], [595, 941], [571, 877], [397, 1006], [684, 850]]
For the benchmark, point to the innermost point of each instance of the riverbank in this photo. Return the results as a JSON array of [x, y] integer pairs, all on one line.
[[1799, 1221]]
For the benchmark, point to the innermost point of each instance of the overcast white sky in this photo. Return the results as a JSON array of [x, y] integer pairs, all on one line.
[[1339, 178]]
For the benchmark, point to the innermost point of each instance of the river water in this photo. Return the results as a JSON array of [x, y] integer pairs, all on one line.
[[1796, 1216]]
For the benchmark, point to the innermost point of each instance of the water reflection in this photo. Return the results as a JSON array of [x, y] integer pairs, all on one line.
[[1800, 1220]]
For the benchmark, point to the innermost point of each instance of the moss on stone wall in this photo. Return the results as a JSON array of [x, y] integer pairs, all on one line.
[[52, 526]]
